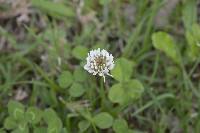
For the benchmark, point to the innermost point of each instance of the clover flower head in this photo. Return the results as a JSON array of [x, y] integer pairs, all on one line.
[[99, 62]]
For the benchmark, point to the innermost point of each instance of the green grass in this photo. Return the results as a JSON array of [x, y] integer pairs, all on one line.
[[155, 88]]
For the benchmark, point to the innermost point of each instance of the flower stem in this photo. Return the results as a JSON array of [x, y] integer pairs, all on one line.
[[94, 127], [102, 94]]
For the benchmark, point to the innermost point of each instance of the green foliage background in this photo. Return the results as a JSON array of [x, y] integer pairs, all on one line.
[[155, 86]]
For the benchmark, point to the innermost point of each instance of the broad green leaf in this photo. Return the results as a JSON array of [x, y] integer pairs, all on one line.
[[47, 113], [103, 120], [189, 13], [80, 52], [64, 130], [33, 115], [104, 2], [40, 130], [117, 94], [23, 127], [76, 90], [65, 79], [122, 70], [193, 39], [120, 126], [54, 9], [164, 42], [196, 32], [80, 75], [123, 93], [16, 110], [134, 89], [10, 123], [55, 126], [52, 120], [21, 131], [192, 30], [83, 125]]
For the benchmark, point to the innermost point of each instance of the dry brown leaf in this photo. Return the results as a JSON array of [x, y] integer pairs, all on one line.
[[20, 94], [15, 8]]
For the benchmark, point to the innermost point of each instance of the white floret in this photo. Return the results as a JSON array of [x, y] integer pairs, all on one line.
[[101, 68]]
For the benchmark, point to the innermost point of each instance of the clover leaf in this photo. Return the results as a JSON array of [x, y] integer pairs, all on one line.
[[123, 93], [103, 120]]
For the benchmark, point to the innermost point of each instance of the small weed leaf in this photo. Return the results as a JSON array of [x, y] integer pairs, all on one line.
[[65, 79], [120, 126], [134, 89], [104, 2], [18, 114], [16, 110], [55, 126], [80, 52], [117, 94], [33, 115], [189, 13], [123, 93], [123, 70], [193, 39], [52, 130], [164, 42], [47, 113], [76, 90], [80, 75], [52, 120], [40, 130], [83, 125], [20, 131], [23, 127], [103, 120], [10, 123], [55, 9]]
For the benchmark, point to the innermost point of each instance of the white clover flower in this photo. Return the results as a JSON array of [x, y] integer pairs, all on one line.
[[99, 62]]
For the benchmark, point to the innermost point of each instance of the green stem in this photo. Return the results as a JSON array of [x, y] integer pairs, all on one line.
[[194, 67], [186, 78], [94, 127], [152, 102], [155, 69], [102, 94], [88, 117]]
